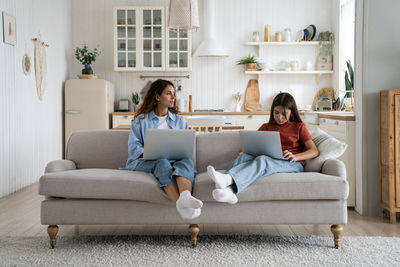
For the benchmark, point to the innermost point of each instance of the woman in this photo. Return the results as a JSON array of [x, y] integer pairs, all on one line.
[[297, 146], [175, 177]]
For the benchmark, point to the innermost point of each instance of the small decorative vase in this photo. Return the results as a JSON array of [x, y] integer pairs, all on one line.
[[237, 108], [87, 70]]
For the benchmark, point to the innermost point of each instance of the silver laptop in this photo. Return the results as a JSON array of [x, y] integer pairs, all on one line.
[[258, 143], [169, 144]]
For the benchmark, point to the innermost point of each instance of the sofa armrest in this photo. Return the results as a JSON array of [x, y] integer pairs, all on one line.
[[334, 167], [60, 165]]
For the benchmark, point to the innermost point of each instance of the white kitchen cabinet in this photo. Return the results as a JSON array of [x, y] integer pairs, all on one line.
[[345, 132], [250, 122], [118, 120], [178, 56], [142, 41], [126, 34], [311, 127]]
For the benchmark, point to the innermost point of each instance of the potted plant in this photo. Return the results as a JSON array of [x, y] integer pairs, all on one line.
[[135, 100], [86, 56], [349, 82], [250, 62]]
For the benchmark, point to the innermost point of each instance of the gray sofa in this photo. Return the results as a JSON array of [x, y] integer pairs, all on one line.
[[87, 189]]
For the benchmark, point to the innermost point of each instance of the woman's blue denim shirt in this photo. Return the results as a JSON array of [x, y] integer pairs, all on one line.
[[138, 128]]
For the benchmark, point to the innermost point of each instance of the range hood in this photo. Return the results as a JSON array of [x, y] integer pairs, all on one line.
[[209, 47]]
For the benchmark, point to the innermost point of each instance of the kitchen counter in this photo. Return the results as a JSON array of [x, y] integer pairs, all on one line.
[[336, 115], [226, 113], [206, 113]]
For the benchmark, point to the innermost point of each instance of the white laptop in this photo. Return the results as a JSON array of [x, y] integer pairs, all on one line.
[[258, 143], [169, 144]]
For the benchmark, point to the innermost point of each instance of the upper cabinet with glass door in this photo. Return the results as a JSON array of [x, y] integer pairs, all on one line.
[[178, 51], [143, 42], [153, 38], [125, 39]]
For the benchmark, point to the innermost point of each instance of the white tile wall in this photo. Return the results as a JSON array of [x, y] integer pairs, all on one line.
[[31, 130], [213, 80]]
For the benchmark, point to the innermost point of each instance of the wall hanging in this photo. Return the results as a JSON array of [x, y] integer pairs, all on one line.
[[26, 64], [40, 66], [9, 34]]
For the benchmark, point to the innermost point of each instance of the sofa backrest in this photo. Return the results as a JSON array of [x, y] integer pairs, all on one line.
[[219, 149], [98, 149], [109, 149]]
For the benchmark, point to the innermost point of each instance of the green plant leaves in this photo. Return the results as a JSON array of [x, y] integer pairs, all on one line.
[[135, 98], [85, 55], [349, 78], [247, 60]]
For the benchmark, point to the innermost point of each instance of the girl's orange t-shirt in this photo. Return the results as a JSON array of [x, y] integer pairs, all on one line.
[[293, 136]]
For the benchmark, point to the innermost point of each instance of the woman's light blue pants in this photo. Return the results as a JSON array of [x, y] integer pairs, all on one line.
[[165, 170], [247, 169]]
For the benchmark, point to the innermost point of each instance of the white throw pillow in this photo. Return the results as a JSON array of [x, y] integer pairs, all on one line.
[[328, 147]]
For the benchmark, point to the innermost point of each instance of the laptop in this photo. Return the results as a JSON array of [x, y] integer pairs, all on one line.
[[169, 144], [258, 143]]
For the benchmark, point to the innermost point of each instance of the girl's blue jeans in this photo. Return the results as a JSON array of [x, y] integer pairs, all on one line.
[[247, 169], [165, 170]]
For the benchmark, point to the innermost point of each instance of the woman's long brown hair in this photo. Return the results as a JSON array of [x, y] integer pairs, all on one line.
[[287, 101], [150, 103]]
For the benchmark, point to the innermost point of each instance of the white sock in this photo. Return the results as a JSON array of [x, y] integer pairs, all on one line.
[[186, 200], [221, 180], [189, 213], [225, 195]]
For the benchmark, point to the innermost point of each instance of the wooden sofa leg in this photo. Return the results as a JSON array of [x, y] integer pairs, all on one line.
[[336, 229], [392, 216], [52, 230], [194, 231], [384, 214]]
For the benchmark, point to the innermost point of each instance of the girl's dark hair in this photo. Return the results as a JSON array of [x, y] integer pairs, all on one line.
[[287, 101], [150, 103]]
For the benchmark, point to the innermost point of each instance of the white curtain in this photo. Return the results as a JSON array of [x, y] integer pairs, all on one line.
[[347, 26]]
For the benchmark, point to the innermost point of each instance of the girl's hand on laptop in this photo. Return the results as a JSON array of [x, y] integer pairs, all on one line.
[[289, 156]]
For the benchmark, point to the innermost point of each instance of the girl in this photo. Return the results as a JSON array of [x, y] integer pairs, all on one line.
[[246, 169], [159, 110]]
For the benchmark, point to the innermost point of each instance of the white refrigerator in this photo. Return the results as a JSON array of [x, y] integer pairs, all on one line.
[[88, 105]]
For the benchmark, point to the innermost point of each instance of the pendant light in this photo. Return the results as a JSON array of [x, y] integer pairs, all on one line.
[[183, 15]]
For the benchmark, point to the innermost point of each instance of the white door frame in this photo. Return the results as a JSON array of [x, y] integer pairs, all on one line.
[[360, 112]]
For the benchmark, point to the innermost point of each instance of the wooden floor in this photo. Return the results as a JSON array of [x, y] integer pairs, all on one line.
[[20, 216]]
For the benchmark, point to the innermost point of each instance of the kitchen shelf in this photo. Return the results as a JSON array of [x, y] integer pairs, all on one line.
[[319, 72], [304, 43]]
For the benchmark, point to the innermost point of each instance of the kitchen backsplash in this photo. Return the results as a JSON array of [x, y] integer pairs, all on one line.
[[213, 81]]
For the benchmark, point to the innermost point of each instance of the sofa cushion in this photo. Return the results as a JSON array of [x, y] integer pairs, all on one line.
[[281, 186], [98, 149], [103, 184], [328, 147], [219, 149]]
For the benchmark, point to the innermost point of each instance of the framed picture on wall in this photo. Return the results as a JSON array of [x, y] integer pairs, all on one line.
[[9, 29]]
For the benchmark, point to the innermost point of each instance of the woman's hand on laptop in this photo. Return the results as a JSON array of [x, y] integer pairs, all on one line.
[[289, 156]]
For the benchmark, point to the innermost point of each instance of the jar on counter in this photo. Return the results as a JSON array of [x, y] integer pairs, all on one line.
[[267, 32], [256, 37], [287, 35], [278, 37]]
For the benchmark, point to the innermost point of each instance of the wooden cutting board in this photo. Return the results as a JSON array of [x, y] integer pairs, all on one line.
[[252, 102]]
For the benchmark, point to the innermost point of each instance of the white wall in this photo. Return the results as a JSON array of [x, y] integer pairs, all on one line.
[[381, 65], [31, 130], [213, 80]]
